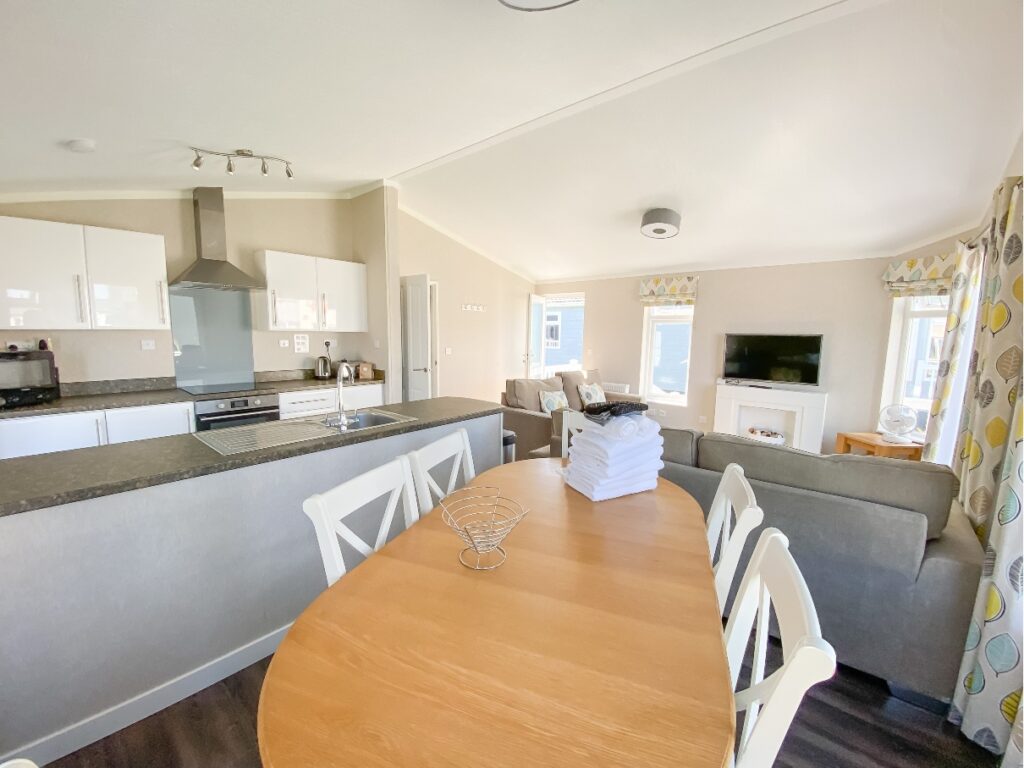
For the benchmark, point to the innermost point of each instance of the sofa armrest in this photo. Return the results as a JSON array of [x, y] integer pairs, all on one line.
[[532, 428], [618, 397]]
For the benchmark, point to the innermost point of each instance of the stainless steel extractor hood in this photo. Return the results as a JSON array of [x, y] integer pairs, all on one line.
[[212, 268]]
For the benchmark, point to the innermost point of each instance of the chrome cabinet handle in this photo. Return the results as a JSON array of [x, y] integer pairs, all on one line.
[[273, 306], [160, 300], [99, 432], [79, 299], [323, 310]]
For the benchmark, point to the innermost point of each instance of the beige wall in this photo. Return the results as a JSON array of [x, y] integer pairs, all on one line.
[[486, 347], [372, 245], [844, 301], [311, 226]]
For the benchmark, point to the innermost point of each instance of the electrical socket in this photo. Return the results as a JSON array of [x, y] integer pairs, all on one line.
[[148, 345], [284, 343]]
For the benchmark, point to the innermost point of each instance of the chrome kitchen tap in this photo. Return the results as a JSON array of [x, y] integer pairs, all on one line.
[[344, 371]]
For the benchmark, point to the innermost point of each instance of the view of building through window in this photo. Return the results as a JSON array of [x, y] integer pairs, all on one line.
[[666, 354], [920, 349]]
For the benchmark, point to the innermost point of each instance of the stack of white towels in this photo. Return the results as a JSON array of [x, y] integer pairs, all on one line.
[[617, 458]]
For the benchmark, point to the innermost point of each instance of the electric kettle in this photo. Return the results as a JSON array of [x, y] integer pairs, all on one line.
[[322, 365]]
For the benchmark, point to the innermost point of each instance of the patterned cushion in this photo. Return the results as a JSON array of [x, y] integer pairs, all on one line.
[[553, 400], [591, 393]]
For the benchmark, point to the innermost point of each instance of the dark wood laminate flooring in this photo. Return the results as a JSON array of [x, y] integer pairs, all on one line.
[[849, 722]]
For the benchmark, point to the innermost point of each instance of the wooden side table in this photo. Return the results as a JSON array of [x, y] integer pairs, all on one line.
[[873, 445]]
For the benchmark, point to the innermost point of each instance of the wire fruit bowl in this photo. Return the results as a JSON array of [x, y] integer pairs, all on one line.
[[483, 518]]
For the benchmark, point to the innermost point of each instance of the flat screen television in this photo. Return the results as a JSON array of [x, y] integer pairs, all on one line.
[[776, 359]]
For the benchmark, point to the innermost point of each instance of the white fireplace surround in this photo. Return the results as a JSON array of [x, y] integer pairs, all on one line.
[[799, 414]]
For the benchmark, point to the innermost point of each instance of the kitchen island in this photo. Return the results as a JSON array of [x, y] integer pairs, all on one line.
[[134, 575]]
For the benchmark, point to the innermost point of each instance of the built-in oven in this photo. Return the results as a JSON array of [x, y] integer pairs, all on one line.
[[27, 377], [236, 411]]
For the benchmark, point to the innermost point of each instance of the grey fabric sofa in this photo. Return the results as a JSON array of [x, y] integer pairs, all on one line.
[[536, 435], [893, 572]]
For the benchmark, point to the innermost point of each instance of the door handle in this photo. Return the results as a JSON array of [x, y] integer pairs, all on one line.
[[323, 310], [421, 370]]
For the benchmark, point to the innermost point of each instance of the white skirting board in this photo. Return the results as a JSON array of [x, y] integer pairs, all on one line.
[[85, 732]]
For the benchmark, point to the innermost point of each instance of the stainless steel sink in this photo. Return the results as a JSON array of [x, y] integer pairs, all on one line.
[[363, 420]]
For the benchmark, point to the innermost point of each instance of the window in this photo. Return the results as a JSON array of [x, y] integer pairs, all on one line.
[[665, 364], [915, 349], [557, 327], [553, 330]]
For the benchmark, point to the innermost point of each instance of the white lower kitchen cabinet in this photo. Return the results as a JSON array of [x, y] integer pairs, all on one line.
[[363, 396], [308, 402], [147, 421], [31, 435]]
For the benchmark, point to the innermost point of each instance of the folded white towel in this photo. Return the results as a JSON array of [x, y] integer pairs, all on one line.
[[632, 426], [600, 479], [610, 491], [610, 449], [584, 454]]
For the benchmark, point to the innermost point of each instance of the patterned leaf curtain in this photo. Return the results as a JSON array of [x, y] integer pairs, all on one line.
[[930, 276], [668, 290], [988, 462], [951, 379]]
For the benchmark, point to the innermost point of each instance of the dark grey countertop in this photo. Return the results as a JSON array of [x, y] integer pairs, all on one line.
[[34, 482], [161, 396]]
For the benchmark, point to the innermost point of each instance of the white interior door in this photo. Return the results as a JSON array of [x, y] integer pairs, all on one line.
[[416, 337], [535, 339]]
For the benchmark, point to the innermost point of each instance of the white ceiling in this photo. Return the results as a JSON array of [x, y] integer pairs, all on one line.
[[863, 136], [351, 91], [784, 131]]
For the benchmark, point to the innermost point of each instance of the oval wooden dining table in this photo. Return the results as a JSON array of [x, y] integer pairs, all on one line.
[[597, 643]]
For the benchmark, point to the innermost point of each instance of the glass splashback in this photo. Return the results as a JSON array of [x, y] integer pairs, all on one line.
[[212, 332]]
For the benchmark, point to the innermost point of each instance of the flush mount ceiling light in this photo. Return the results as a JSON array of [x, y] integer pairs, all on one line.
[[81, 145], [246, 154], [660, 223], [536, 5]]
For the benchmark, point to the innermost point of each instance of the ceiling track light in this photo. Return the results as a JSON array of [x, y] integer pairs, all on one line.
[[246, 154]]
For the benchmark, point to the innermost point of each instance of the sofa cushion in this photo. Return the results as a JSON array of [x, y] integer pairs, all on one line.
[[681, 446], [553, 400], [571, 381], [527, 391], [918, 486], [591, 394]]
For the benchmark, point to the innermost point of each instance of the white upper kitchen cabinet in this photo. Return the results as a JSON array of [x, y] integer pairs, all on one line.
[[146, 421], [342, 293], [45, 434], [127, 279], [291, 297], [43, 279]]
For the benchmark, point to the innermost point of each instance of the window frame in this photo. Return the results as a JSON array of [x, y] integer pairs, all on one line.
[[897, 354], [647, 352], [556, 324]]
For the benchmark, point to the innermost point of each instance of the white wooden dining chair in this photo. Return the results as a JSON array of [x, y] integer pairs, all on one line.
[[733, 497], [18, 762], [573, 422], [455, 447], [773, 579], [329, 510]]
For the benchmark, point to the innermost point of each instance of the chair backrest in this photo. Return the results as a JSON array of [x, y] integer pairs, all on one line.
[[456, 447], [733, 497], [573, 422], [329, 510], [773, 579]]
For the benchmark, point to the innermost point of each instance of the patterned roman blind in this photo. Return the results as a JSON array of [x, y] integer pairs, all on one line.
[[668, 289], [930, 276]]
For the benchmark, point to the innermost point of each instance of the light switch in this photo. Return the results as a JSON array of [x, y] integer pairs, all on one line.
[[702, 420], [284, 343], [376, 343], [148, 345], [447, 350]]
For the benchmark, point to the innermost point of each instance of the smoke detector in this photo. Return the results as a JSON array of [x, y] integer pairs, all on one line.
[[660, 223]]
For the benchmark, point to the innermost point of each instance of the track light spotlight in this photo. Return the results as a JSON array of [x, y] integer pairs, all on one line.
[[263, 167], [231, 167], [198, 162], [288, 171]]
